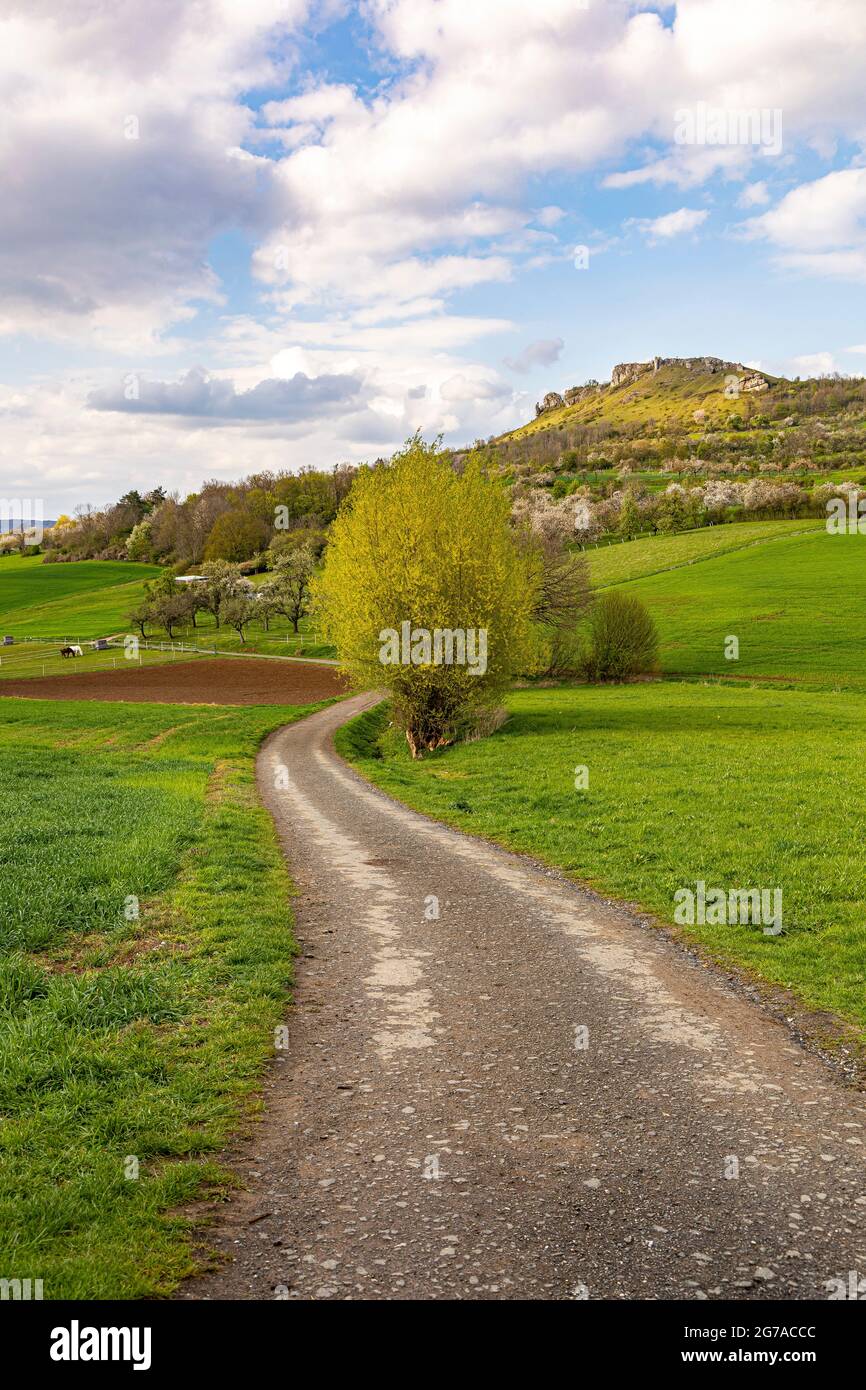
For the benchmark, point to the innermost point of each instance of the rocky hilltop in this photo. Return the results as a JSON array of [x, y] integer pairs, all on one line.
[[624, 373], [627, 371]]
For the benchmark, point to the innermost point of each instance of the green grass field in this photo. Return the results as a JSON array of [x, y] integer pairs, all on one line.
[[144, 1038], [93, 598], [797, 606], [25, 582], [80, 600], [129, 1040], [738, 787], [624, 560]]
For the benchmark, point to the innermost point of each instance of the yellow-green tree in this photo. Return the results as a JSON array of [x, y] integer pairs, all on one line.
[[426, 593]]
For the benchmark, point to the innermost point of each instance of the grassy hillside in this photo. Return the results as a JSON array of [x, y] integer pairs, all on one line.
[[678, 424], [669, 396], [738, 787], [82, 600], [25, 581], [621, 561], [672, 395], [797, 606], [126, 1038]]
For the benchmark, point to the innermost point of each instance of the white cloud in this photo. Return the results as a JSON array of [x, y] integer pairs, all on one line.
[[819, 227], [371, 210], [826, 214], [685, 167], [541, 353], [815, 363], [473, 388], [120, 123], [754, 195], [200, 396], [671, 224]]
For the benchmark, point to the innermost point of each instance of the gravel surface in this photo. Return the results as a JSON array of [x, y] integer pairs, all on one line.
[[532, 1095]]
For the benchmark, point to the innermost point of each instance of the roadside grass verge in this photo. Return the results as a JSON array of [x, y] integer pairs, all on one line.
[[129, 1040], [738, 787]]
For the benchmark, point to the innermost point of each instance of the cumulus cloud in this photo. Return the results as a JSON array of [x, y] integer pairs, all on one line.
[[819, 227], [202, 396], [133, 145], [815, 363], [121, 144], [754, 195], [130, 143], [472, 388], [685, 167]]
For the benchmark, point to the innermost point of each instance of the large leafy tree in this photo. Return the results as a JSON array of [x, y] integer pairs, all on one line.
[[236, 536], [418, 543]]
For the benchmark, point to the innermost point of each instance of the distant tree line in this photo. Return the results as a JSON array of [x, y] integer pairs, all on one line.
[[236, 522]]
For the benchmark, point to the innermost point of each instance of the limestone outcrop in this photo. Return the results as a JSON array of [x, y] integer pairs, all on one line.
[[624, 373], [552, 401]]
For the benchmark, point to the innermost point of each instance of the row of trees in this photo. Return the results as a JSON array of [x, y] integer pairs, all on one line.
[[229, 597], [631, 510]]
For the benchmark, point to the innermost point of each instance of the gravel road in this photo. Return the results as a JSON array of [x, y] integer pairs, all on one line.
[[531, 1095]]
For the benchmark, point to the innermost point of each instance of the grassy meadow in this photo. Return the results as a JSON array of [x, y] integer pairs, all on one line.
[[624, 560], [142, 1037], [129, 1039], [78, 601], [797, 606], [44, 659]]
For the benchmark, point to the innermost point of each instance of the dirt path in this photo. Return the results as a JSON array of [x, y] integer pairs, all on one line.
[[435, 1128]]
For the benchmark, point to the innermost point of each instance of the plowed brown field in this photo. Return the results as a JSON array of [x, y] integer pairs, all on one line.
[[204, 681]]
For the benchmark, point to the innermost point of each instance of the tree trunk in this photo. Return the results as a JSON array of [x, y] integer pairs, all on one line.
[[419, 744]]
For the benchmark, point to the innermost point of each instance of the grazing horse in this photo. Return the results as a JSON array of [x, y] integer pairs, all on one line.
[[71, 651]]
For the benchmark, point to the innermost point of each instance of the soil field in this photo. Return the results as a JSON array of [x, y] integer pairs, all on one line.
[[217, 681]]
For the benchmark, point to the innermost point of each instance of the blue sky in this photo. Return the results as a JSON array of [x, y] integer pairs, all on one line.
[[270, 233]]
